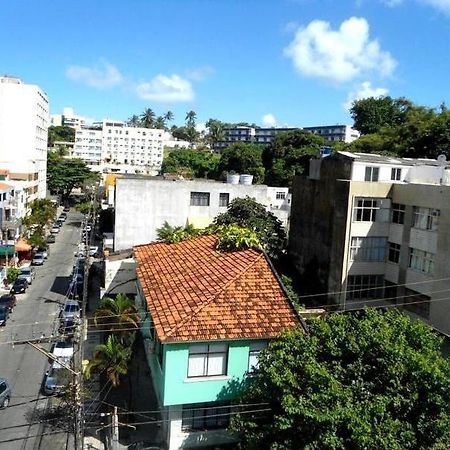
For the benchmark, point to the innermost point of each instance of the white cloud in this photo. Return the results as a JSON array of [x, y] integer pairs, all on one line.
[[199, 73], [269, 120], [102, 76], [338, 55], [163, 88], [440, 5], [364, 90]]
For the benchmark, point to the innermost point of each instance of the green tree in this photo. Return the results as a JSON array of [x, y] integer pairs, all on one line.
[[63, 175], [371, 114], [372, 380], [148, 118], [191, 116], [168, 116], [134, 121], [247, 213], [112, 358], [11, 274], [232, 237], [215, 131], [241, 157], [191, 163], [60, 133], [160, 123], [288, 155], [41, 212]]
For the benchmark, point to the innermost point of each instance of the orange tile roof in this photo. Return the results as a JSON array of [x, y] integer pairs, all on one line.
[[196, 293], [4, 186]]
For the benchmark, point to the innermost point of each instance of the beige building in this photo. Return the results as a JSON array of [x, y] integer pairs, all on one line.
[[368, 229]]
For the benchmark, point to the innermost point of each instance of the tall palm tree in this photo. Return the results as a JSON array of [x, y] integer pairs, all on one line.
[[190, 118], [148, 118], [160, 123], [111, 357], [168, 116], [118, 314], [134, 121]]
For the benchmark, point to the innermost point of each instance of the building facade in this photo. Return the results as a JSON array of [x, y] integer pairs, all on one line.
[[143, 204], [24, 117], [368, 229], [67, 119]]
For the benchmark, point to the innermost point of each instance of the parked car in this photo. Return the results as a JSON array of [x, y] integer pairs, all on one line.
[[44, 251], [63, 350], [93, 250], [38, 259], [8, 301], [5, 393], [19, 286], [67, 326], [59, 223], [57, 378], [63, 216], [4, 314], [51, 238], [71, 309], [55, 229], [66, 209]]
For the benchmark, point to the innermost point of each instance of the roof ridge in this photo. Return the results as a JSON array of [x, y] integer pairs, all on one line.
[[213, 298]]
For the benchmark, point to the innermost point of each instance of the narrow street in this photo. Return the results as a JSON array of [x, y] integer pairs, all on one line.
[[36, 314]]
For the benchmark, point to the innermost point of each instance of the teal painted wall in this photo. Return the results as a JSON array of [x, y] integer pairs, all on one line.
[[178, 389]]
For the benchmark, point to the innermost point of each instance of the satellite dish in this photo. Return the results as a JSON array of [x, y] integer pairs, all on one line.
[[441, 159]]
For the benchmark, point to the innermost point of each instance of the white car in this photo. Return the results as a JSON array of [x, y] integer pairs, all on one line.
[[54, 230], [63, 350], [93, 250]]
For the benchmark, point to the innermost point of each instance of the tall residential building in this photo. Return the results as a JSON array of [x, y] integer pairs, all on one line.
[[112, 146], [369, 229], [24, 116], [67, 119], [331, 133]]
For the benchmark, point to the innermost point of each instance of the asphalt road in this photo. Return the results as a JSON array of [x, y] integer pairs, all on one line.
[[36, 314]]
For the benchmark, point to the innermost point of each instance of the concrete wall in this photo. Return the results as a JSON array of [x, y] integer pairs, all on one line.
[[143, 205]]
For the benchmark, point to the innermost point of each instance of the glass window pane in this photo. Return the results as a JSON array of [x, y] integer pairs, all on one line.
[[216, 364], [196, 365]]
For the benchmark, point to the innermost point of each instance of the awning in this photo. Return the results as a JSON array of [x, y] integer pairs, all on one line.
[[7, 250], [199, 221], [22, 246]]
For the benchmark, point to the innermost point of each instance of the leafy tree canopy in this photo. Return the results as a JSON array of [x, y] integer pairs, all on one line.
[[191, 163], [59, 133], [289, 155], [65, 174], [248, 213], [243, 158], [372, 380]]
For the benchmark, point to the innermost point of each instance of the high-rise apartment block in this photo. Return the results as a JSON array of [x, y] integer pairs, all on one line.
[[24, 116]]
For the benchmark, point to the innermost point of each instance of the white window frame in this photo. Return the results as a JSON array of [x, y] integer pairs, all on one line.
[[368, 248], [224, 199], [421, 261], [425, 218], [396, 173], [280, 195], [207, 360], [255, 348], [372, 173], [200, 198], [366, 209]]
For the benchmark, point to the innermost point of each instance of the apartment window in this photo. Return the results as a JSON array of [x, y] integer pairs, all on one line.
[[364, 287], [398, 213], [206, 360], [417, 303], [365, 209], [199, 198], [394, 252], [204, 416], [253, 355], [280, 195], [396, 174], [421, 261], [224, 199], [425, 218], [368, 249], [372, 173]]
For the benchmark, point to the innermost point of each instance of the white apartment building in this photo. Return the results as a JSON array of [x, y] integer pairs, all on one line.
[[68, 119], [113, 147], [375, 230], [143, 204], [24, 117]]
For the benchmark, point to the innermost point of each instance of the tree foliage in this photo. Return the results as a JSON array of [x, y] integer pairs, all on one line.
[[247, 213], [191, 163], [372, 380], [289, 155], [232, 237], [60, 133]]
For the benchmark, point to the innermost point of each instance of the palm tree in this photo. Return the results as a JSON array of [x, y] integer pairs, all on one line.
[[148, 118], [190, 118], [160, 123], [168, 116], [119, 314], [134, 121], [111, 357], [216, 133]]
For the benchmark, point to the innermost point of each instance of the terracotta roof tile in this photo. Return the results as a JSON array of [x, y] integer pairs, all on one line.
[[195, 293]]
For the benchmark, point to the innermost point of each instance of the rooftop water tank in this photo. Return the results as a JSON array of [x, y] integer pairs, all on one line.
[[246, 179], [232, 178]]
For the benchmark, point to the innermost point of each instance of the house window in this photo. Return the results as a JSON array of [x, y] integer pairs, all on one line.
[[205, 416], [394, 252], [421, 261], [253, 355], [425, 218], [365, 209], [398, 213], [364, 287], [371, 173], [417, 303], [207, 360], [280, 195], [396, 174], [199, 198], [224, 199], [368, 249]]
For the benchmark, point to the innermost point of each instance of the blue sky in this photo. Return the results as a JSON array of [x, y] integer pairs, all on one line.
[[283, 62]]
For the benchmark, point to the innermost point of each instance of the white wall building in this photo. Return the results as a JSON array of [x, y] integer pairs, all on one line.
[[142, 205], [67, 119], [24, 117]]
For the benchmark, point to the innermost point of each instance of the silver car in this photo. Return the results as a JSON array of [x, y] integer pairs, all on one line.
[[5, 393], [27, 273]]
